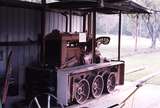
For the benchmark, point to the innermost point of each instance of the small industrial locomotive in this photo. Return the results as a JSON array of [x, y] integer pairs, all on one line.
[[75, 77], [73, 69]]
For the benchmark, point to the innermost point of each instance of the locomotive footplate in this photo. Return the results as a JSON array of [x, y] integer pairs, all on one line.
[[77, 84]]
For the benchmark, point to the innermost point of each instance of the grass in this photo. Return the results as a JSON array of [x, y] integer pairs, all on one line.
[[151, 61]]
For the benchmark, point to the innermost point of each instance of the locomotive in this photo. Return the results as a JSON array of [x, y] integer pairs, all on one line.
[[74, 69], [75, 77]]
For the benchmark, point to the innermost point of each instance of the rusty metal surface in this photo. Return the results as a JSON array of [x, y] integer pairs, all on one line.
[[89, 67]]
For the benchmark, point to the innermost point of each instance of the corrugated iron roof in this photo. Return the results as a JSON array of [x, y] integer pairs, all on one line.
[[126, 6], [74, 4], [102, 6]]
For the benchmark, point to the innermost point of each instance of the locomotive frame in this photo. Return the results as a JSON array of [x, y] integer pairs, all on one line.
[[68, 79]]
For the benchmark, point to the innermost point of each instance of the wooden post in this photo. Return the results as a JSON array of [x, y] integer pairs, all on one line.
[[119, 36], [94, 36], [43, 24], [66, 23], [84, 22], [70, 20], [89, 24], [136, 37]]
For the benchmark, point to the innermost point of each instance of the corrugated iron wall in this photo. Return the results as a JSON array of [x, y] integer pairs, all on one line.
[[24, 25], [58, 21], [19, 25]]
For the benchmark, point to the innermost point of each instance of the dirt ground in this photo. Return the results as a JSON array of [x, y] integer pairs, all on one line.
[[146, 96], [149, 63]]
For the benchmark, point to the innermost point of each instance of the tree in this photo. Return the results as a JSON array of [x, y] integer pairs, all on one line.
[[153, 24], [106, 23], [152, 21]]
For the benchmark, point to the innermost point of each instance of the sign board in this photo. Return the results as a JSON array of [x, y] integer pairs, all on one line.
[[82, 37]]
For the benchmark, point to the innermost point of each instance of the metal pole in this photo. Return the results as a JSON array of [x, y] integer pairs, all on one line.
[[119, 36], [94, 36]]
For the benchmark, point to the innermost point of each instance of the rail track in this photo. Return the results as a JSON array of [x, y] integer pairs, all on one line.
[[138, 83]]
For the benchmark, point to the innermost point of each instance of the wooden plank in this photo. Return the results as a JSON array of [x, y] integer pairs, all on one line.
[[30, 24], [0, 104], [19, 43], [7, 78], [21, 68], [9, 25], [3, 23]]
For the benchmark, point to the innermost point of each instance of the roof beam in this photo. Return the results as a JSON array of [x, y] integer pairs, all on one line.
[[20, 4]]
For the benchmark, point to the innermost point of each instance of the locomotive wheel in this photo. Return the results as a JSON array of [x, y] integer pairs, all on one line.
[[111, 82], [82, 91], [45, 100], [97, 86]]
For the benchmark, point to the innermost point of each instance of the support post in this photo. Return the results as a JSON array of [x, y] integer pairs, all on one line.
[[89, 24], [119, 36], [137, 30], [94, 36], [66, 23], [66, 16], [84, 22], [42, 43], [70, 20]]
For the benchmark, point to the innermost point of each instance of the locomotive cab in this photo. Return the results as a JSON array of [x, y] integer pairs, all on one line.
[[67, 50]]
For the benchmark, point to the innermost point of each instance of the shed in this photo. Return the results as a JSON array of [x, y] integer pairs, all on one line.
[[24, 24]]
